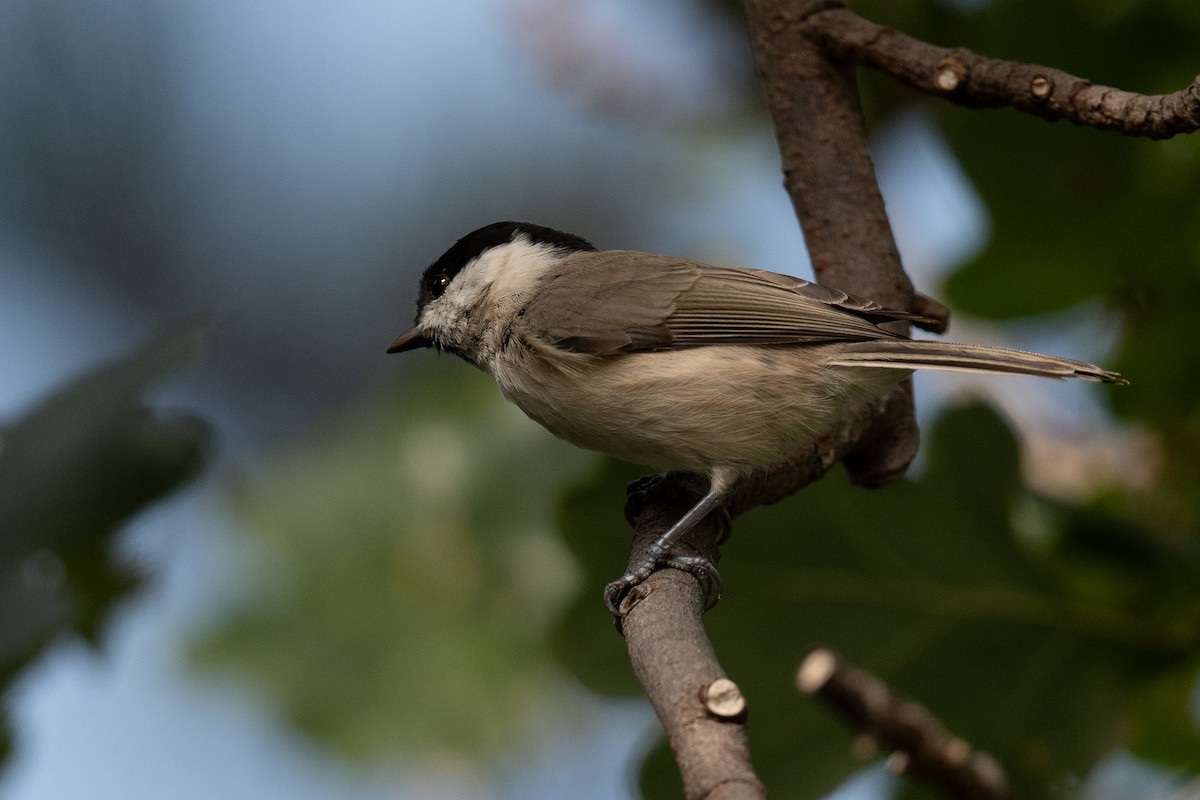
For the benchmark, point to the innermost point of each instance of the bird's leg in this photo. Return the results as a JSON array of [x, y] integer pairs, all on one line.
[[659, 553]]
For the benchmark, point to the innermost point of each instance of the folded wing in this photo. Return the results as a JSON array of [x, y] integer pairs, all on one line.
[[617, 301]]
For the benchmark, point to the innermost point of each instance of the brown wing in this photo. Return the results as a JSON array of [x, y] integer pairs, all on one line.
[[616, 301]]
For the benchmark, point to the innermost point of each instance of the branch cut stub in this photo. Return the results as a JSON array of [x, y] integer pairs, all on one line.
[[815, 671], [950, 74], [724, 700], [1041, 86]]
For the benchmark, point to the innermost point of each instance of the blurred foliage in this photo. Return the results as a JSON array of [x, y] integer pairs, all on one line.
[[961, 589], [407, 588], [71, 472], [406, 574]]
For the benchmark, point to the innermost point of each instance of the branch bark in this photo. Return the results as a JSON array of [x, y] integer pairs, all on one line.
[[673, 658], [830, 178], [924, 746], [972, 80]]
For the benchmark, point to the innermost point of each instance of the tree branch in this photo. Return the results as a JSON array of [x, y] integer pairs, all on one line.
[[827, 166], [972, 80], [829, 175], [925, 747], [675, 661]]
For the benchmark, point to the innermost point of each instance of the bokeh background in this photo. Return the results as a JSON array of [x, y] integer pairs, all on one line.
[[243, 553]]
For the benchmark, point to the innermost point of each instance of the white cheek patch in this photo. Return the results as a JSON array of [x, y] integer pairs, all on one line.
[[508, 270], [496, 280]]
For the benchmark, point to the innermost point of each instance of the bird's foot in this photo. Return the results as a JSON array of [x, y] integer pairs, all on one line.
[[703, 569]]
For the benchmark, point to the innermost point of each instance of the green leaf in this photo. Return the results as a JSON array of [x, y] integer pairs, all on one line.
[[404, 573], [71, 473], [1166, 726], [92, 453], [590, 516]]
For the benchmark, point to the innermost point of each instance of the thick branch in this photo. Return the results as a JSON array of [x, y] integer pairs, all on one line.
[[925, 747], [827, 165], [830, 178], [675, 661], [972, 80]]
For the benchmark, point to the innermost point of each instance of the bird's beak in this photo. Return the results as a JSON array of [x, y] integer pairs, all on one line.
[[409, 340]]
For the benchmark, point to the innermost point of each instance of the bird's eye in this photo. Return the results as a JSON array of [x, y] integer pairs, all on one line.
[[437, 286]]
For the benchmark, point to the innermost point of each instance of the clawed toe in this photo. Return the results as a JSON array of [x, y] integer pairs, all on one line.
[[704, 570]]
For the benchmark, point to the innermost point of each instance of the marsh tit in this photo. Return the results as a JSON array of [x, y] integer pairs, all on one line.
[[671, 363]]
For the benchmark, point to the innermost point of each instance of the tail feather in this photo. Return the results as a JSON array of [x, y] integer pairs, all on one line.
[[927, 354]]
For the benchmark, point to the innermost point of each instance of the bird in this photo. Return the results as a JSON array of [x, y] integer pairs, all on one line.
[[672, 363]]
